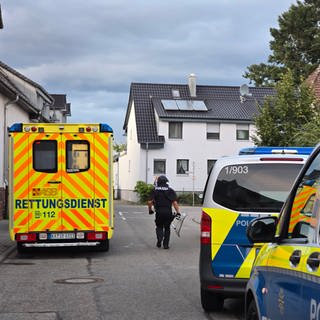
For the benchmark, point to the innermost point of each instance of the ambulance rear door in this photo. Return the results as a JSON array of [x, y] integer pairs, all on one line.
[[77, 179], [44, 182]]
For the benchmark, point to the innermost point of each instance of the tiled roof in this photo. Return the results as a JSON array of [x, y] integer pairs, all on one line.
[[314, 81], [223, 104], [23, 77], [9, 89]]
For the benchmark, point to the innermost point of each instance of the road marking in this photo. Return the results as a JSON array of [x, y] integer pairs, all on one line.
[[121, 216]]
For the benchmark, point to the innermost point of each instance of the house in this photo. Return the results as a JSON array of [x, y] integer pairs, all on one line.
[[180, 130], [22, 100], [60, 108], [314, 81]]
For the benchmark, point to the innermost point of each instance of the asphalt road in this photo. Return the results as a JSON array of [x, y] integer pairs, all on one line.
[[134, 280]]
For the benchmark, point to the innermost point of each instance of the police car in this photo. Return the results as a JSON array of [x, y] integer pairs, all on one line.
[[285, 279], [238, 190]]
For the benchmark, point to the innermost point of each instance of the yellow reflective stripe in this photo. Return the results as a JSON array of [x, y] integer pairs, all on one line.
[[245, 269], [222, 220]]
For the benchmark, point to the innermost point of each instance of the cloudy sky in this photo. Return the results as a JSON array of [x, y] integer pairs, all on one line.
[[93, 50]]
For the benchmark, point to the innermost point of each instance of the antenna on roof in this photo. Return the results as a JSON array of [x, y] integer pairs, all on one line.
[[244, 92]]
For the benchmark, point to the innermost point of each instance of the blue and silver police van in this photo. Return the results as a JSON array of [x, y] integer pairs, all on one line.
[[238, 190]]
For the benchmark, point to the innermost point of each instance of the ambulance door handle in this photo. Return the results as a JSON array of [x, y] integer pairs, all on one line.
[[313, 261], [54, 182], [295, 258]]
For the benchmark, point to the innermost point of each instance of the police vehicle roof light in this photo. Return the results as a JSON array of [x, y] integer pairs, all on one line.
[[276, 150]]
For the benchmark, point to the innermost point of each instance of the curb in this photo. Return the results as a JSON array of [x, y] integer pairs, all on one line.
[[6, 253]]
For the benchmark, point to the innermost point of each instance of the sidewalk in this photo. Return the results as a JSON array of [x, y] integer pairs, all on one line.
[[6, 245]]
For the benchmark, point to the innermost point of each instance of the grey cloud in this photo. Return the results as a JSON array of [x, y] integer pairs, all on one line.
[[82, 47]]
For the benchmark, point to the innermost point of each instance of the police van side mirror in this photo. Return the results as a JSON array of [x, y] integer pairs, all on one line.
[[262, 229]]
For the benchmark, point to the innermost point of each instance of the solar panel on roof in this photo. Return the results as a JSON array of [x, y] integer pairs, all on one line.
[[199, 105], [169, 104], [185, 105]]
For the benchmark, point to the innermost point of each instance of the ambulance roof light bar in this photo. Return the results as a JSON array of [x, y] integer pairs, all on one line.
[[276, 150]]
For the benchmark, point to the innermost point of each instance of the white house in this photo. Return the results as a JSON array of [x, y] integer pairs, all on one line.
[[23, 100], [181, 130]]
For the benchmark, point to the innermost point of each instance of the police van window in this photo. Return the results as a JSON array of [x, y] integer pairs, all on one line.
[[305, 211], [77, 156], [255, 187], [45, 156]]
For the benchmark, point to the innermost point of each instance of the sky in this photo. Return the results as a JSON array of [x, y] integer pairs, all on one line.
[[93, 50]]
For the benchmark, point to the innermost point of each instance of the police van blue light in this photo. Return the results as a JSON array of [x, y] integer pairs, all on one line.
[[276, 150]]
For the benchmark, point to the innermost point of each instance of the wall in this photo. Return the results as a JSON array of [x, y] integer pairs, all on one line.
[[132, 163], [197, 149], [14, 114]]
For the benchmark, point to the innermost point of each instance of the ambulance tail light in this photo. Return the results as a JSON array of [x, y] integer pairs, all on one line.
[[26, 237], [205, 229], [96, 236]]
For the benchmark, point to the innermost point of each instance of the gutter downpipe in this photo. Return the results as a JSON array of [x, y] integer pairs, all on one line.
[[147, 149], [5, 140]]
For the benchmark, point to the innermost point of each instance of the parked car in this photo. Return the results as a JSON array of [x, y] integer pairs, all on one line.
[[285, 279], [238, 190]]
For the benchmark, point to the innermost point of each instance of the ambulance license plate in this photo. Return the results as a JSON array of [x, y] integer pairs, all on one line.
[[61, 236]]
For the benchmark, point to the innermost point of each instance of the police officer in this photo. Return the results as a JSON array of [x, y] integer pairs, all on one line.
[[162, 198]]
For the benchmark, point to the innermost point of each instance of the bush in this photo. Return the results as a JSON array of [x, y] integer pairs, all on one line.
[[187, 199], [143, 189]]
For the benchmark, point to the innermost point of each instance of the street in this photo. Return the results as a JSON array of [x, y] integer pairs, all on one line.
[[134, 280]]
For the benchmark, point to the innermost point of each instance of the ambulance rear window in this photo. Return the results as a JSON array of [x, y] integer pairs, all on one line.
[[78, 158], [45, 156], [255, 187]]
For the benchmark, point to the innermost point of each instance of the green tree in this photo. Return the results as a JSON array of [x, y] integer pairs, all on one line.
[[282, 116], [309, 134], [295, 45], [119, 147]]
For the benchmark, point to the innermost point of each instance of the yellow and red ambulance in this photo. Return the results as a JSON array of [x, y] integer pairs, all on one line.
[[60, 185]]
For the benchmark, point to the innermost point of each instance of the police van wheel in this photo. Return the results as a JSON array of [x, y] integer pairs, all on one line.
[[252, 312], [211, 301], [104, 245]]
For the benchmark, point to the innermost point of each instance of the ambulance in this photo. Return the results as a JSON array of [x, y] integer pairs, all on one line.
[[60, 185], [239, 189]]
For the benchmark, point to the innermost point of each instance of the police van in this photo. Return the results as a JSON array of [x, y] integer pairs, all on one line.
[[239, 189], [60, 185], [285, 279]]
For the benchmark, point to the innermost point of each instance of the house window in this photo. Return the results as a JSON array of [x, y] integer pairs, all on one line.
[[182, 166], [213, 131], [175, 130], [159, 166], [242, 132], [210, 164]]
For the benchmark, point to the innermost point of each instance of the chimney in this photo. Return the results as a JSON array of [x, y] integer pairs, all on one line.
[[192, 82]]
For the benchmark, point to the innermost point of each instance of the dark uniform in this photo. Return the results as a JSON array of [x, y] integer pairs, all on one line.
[[162, 198]]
